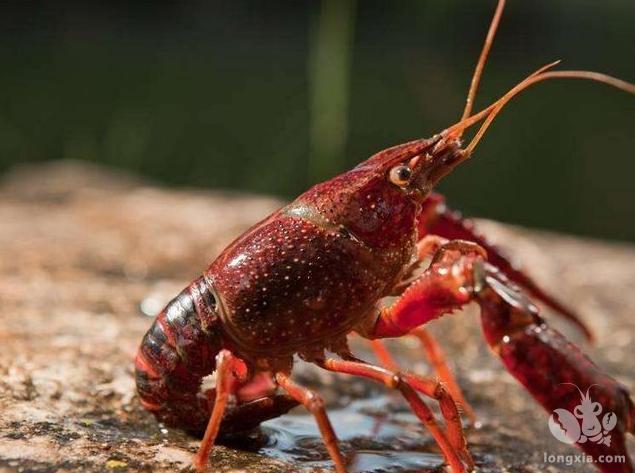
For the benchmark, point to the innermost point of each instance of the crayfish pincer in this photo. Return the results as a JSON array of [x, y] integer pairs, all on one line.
[[312, 273]]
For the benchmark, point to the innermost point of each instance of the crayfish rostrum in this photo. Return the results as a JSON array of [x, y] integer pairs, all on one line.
[[305, 278]]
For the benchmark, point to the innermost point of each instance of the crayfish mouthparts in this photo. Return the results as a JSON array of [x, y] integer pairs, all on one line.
[[425, 160], [445, 155]]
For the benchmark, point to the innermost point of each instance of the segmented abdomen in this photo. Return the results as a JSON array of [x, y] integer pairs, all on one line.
[[175, 355]]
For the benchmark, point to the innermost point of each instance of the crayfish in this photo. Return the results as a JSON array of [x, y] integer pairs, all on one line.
[[316, 271]]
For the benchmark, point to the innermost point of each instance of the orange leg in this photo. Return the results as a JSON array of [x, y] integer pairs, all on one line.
[[384, 356], [224, 384], [437, 359], [314, 404], [404, 383], [435, 390], [442, 369]]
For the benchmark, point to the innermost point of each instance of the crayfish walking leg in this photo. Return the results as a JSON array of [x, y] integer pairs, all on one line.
[[539, 357], [437, 360], [225, 386], [314, 403], [453, 445]]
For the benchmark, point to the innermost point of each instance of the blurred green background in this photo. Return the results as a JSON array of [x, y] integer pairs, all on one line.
[[275, 96]]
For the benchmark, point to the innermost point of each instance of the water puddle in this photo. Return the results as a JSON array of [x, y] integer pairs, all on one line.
[[376, 435]]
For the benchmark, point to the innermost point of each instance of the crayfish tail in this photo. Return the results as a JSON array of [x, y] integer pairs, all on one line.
[[175, 355], [179, 351]]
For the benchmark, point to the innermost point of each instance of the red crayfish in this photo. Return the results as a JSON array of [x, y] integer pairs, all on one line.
[[306, 277]]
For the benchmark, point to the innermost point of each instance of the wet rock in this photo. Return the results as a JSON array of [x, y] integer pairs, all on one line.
[[86, 255]]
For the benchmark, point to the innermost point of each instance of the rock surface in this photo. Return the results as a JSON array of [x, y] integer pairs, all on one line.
[[86, 255]]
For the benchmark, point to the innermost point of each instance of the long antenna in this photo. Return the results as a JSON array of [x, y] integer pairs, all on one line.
[[456, 130], [500, 104], [489, 114], [480, 65]]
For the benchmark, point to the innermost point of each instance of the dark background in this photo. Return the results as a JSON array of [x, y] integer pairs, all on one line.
[[274, 96]]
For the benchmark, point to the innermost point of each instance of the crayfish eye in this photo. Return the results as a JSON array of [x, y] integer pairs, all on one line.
[[400, 175]]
